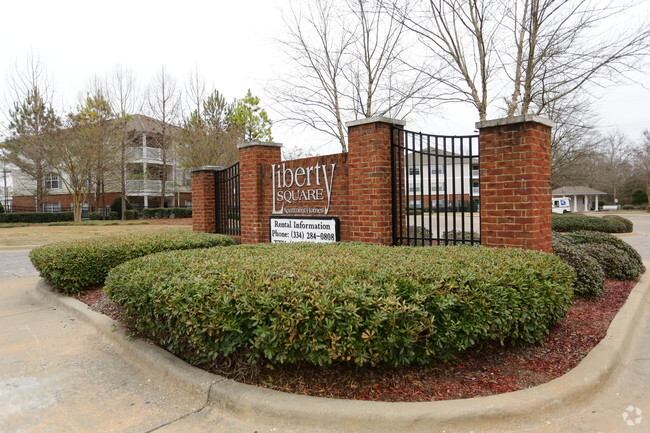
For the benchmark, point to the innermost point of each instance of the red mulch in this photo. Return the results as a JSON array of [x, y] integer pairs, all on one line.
[[487, 370]]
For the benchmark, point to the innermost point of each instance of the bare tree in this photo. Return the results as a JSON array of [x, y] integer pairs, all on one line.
[[163, 99], [642, 161], [74, 151], [124, 101], [31, 121], [613, 165], [526, 53], [348, 63], [463, 36], [574, 139]]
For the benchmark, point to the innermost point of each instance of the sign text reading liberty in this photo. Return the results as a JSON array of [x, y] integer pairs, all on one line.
[[299, 190]]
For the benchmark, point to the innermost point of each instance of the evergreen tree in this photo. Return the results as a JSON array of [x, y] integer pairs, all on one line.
[[250, 119]]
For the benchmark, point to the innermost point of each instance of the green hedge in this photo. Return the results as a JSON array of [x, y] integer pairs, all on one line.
[[606, 224], [321, 304], [131, 214], [167, 212], [614, 262], [590, 278], [36, 217], [72, 267]]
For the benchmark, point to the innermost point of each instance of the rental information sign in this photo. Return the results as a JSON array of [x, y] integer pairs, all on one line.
[[304, 229]]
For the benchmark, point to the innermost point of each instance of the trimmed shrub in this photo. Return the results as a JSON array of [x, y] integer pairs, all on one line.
[[614, 262], [590, 278], [630, 257], [36, 217], [620, 222], [167, 212], [578, 238], [116, 206], [628, 207], [113, 215], [575, 222], [72, 267], [94, 216], [362, 304], [131, 214]]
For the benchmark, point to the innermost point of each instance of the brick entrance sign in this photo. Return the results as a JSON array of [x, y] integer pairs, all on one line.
[[350, 195]]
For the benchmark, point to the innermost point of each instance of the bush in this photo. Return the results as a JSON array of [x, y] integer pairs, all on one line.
[[590, 278], [131, 214], [355, 303], [608, 224], [619, 222], [72, 267], [167, 212], [2, 209], [639, 197], [116, 206], [615, 264], [113, 215], [36, 217], [95, 216], [628, 207], [630, 258]]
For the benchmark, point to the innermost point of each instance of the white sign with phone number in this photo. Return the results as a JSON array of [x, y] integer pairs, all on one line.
[[289, 230]]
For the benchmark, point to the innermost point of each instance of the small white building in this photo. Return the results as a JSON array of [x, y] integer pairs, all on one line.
[[582, 198]]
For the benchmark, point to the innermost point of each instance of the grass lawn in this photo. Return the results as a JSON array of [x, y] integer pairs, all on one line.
[[16, 235]]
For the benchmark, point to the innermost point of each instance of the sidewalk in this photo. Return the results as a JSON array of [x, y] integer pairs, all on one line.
[[57, 375]]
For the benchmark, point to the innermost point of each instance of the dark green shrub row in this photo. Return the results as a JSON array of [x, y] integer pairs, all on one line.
[[72, 267], [36, 217], [596, 256], [130, 215], [606, 224], [590, 278], [321, 304], [630, 264], [168, 212]]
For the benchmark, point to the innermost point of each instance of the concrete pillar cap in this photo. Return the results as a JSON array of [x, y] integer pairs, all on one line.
[[208, 168], [375, 119], [513, 120], [246, 144]]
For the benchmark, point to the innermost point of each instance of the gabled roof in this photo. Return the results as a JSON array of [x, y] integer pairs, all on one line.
[[577, 190], [142, 123]]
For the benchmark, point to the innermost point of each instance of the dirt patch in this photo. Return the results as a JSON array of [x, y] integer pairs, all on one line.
[[486, 370]]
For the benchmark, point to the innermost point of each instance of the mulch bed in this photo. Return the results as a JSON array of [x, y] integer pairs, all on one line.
[[486, 370]]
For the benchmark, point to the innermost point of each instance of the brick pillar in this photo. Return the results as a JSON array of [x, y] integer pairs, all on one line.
[[515, 169], [255, 161], [204, 212], [370, 179]]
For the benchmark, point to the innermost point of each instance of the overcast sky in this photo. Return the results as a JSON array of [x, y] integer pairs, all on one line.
[[232, 44]]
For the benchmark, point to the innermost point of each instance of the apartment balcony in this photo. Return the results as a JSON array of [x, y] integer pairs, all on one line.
[[150, 187], [142, 154]]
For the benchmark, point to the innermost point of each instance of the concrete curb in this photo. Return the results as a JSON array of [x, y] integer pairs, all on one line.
[[288, 411]]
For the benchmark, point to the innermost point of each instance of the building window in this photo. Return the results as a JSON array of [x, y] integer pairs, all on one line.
[[52, 181], [437, 169], [414, 188], [414, 171], [52, 207], [188, 204]]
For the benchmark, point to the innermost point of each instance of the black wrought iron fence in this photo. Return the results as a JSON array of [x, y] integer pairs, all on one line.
[[227, 201], [436, 189]]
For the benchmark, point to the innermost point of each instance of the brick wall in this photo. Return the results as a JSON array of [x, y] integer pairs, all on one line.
[[203, 200], [515, 169]]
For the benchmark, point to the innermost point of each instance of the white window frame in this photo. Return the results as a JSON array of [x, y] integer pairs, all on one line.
[[52, 181]]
